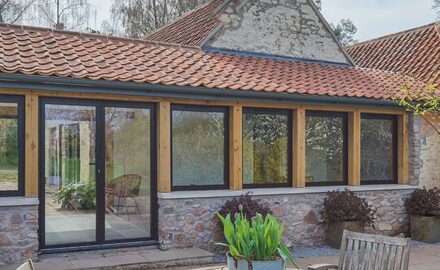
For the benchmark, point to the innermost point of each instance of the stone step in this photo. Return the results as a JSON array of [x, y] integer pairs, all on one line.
[[137, 258]]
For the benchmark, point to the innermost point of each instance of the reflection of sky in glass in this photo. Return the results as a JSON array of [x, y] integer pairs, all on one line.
[[69, 112]]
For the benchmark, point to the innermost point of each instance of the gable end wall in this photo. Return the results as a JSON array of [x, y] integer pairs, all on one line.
[[288, 28]]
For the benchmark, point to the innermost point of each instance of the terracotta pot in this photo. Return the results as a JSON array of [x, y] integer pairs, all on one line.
[[336, 229], [254, 265], [425, 229]]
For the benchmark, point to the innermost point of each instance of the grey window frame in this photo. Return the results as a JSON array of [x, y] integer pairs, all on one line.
[[19, 100], [288, 113], [344, 116], [373, 116], [201, 108]]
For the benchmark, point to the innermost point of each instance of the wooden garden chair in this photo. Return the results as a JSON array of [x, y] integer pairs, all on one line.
[[27, 265], [361, 251]]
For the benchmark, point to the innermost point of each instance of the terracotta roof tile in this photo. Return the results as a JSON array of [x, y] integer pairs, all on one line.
[[414, 52], [192, 28], [39, 51]]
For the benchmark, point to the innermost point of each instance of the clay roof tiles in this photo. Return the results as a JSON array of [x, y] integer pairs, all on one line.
[[414, 52], [40, 51], [192, 28]]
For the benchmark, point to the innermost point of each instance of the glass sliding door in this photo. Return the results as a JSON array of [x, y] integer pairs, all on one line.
[[70, 174], [98, 185], [127, 173]]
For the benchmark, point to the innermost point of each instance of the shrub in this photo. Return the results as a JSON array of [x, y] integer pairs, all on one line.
[[424, 202], [77, 196], [250, 207], [347, 206], [255, 240]]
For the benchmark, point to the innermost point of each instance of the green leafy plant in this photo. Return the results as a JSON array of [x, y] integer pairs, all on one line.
[[424, 102], [77, 196], [255, 240]]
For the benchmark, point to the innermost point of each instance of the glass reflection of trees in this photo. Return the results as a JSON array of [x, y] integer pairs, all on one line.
[[325, 147], [198, 147], [8, 146], [265, 147], [378, 148]]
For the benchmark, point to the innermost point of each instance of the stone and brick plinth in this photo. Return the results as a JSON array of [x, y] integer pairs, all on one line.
[[18, 229]]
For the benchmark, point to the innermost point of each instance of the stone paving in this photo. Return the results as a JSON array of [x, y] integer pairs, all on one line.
[[422, 258]]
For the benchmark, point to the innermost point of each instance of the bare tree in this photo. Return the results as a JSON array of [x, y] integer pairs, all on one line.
[[436, 7], [61, 14], [12, 10], [138, 18]]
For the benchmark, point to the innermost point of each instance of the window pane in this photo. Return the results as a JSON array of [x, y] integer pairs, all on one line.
[[265, 147], [325, 147], [8, 147], [127, 173], [198, 147], [377, 148], [70, 174]]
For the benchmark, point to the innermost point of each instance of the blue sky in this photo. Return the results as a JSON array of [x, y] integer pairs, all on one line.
[[373, 18]]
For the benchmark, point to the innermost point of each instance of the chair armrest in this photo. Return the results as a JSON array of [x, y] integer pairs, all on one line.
[[322, 267]]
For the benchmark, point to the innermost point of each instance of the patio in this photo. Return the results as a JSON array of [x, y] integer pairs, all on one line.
[[424, 257]]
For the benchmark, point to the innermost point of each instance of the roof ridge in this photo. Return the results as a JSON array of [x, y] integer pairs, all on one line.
[[433, 24], [93, 35]]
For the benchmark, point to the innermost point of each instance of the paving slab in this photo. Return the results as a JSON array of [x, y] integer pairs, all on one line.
[[422, 258], [122, 259]]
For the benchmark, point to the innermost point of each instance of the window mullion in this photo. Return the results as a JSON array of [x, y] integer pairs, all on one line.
[[299, 148], [402, 149], [163, 147], [354, 148], [31, 146], [236, 148]]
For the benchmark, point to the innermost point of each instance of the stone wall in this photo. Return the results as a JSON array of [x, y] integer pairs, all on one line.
[[192, 222], [18, 233], [424, 159], [277, 27]]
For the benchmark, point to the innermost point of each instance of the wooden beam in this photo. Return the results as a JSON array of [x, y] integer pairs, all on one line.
[[402, 149], [354, 148], [31, 146], [299, 148], [236, 148], [163, 147]]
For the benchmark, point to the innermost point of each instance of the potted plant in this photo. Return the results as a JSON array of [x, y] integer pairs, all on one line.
[[255, 244], [423, 206], [344, 210]]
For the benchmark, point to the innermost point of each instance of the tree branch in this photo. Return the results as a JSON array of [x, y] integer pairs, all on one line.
[[22, 11]]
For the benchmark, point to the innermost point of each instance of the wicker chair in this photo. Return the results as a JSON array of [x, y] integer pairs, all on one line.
[[123, 187]]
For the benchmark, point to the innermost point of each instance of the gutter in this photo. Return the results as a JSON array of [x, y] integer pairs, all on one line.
[[65, 84]]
